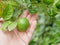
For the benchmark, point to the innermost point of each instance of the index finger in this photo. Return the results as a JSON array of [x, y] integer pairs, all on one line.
[[25, 13]]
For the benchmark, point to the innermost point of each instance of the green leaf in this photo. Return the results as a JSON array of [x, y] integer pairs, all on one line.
[[33, 9], [16, 14], [5, 25], [52, 12], [8, 12], [35, 1], [12, 26], [11, 2], [24, 3]]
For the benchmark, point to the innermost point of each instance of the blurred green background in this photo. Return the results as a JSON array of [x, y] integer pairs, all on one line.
[[48, 27]]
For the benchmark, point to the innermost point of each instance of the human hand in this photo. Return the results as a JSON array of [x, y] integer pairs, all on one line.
[[19, 38]]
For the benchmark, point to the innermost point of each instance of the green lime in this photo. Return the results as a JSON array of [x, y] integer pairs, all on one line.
[[48, 1], [22, 24], [58, 4]]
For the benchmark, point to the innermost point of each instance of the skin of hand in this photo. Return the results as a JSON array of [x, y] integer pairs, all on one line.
[[16, 37]]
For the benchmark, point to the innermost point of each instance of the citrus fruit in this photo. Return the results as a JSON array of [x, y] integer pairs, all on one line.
[[22, 24]]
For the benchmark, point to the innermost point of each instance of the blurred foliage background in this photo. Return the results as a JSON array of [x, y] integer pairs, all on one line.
[[48, 23], [48, 27]]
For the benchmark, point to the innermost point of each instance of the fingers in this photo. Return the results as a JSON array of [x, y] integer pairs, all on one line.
[[32, 20], [31, 29], [29, 17], [34, 17], [25, 13], [33, 24]]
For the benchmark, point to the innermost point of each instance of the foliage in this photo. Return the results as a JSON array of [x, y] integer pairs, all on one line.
[[48, 22]]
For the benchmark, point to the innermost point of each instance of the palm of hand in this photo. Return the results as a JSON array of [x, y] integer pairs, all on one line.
[[19, 38]]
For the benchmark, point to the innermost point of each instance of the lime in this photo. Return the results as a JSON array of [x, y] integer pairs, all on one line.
[[58, 4], [22, 24], [48, 1]]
